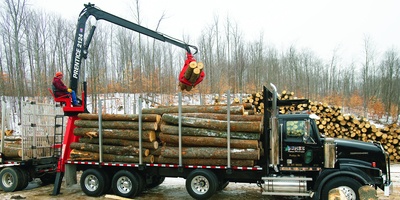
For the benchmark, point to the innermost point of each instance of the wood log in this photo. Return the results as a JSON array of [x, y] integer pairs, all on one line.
[[147, 145], [79, 155], [120, 117], [235, 110], [190, 161], [211, 153], [218, 116], [237, 126], [116, 150], [127, 134], [192, 131], [12, 153], [116, 124], [209, 141]]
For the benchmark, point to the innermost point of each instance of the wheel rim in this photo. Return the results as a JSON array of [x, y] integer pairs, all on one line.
[[124, 184], [348, 192], [200, 185], [92, 183], [7, 180]]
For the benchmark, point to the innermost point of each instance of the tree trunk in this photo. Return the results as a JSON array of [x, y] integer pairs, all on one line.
[[248, 126], [116, 124], [192, 131], [195, 161], [12, 153], [78, 155], [224, 117], [120, 117], [116, 150], [148, 136], [119, 142], [209, 141], [211, 152], [234, 110]]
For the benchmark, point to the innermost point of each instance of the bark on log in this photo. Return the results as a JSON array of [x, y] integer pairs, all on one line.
[[120, 117], [237, 126], [210, 152], [189, 161], [116, 124], [209, 141], [78, 155], [147, 145], [218, 116], [148, 136], [116, 150], [12, 153], [234, 110], [192, 131]]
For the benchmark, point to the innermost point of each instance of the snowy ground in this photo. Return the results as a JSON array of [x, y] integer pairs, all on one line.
[[173, 188]]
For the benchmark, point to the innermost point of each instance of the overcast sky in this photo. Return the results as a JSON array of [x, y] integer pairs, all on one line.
[[322, 26]]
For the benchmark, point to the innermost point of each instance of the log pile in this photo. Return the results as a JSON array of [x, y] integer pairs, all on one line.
[[120, 138], [12, 145]]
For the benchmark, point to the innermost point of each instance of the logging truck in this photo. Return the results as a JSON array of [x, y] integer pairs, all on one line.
[[209, 146], [30, 153]]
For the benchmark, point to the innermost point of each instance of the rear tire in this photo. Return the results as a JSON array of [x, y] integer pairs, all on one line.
[[24, 179], [94, 182], [10, 179], [201, 184], [125, 184], [348, 185]]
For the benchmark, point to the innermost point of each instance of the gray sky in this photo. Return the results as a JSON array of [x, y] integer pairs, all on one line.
[[322, 26]]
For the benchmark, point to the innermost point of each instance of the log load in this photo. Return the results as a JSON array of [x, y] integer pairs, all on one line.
[[193, 131], [243, 126], [127, 134], [110, 149], [120, 117], [211, 153], [116, 124], [234, 110], [79, 155], [148, 145]]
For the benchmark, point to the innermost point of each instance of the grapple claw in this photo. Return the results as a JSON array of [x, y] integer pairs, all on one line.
[[188, 77]]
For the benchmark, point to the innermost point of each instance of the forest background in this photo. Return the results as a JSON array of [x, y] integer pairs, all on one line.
[[35, 44]]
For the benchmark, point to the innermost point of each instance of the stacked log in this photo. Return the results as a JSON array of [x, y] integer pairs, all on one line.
[[204, 135], [12, 145], [120, 138]]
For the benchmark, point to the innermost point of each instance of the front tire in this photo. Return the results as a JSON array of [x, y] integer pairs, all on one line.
[[94, 182], [201, 184], [347, 185]]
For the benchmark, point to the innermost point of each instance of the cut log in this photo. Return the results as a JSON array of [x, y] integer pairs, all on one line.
[[192, 131], [234, 110], [209, 141], [116, 150], [218, 116], [116, 124], [147, 145], [210, 152], [78, 155], [127, 134], [189, 161], [12, 153], [239, 126], [120, 117]]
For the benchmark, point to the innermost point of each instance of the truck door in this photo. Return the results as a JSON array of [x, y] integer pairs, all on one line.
[[300, 148]]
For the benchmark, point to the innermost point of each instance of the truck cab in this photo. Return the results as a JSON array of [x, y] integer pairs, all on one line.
[[303, 162]]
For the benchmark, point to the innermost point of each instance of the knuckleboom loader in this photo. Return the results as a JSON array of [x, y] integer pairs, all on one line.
[[294, 161]]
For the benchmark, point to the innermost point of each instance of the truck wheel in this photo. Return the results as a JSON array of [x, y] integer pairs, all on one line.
[[348, 185], [94, 182], [125, 184], [201, 184], [24, 179], [156, 181], [10, 178]]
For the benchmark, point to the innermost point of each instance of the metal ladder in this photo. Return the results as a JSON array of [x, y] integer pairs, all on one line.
[[58, 135]]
